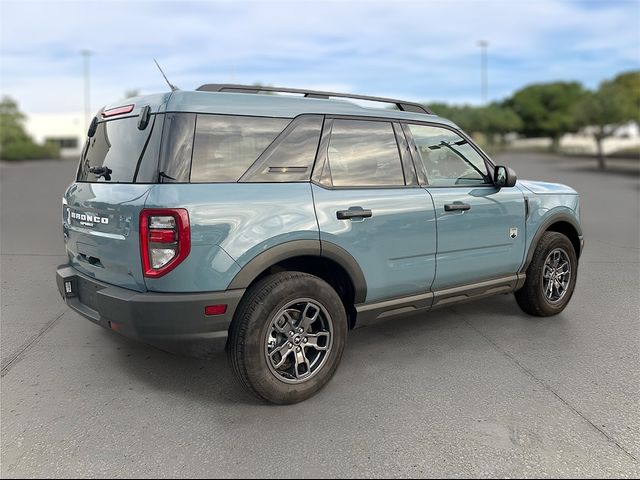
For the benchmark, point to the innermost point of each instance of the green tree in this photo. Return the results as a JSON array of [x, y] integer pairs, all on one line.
[[496, 120], [465, 116], [493, 121], [442, 109], [612, 105], [11, 123], [629, 83], [15, 143], [547, 110]]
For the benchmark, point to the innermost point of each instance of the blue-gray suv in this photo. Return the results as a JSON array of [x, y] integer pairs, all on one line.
[[275, 220]]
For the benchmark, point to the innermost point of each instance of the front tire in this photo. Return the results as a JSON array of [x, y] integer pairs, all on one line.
[[287, 337], [551, 276]]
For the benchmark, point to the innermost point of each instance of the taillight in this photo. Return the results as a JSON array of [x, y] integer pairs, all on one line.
[[165, 240], [117, 111]]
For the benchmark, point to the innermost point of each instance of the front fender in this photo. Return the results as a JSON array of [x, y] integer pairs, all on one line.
[[545, 212]]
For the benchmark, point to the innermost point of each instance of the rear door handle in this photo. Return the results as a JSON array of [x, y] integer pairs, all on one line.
[[353, 212], [456, 206]]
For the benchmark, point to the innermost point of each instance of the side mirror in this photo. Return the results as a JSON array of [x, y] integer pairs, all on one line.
[[504, 177]]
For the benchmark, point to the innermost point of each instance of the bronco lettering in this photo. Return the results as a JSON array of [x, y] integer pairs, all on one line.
[[87, 218]]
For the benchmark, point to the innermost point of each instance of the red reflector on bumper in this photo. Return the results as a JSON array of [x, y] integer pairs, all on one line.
[[215, 309]]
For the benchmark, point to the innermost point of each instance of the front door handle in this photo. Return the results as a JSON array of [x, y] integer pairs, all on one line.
[[353, 212], [457, 207]]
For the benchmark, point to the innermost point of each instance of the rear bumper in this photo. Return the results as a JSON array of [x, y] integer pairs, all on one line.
[[175, 322]]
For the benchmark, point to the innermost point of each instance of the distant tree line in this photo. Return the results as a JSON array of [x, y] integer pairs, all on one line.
[[541, 110], [552, 110]]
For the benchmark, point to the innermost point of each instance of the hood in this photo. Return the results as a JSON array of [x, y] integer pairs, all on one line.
[[546, 187]]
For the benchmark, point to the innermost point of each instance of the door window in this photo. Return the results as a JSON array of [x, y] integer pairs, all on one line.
[[364, 153], [448, 158]]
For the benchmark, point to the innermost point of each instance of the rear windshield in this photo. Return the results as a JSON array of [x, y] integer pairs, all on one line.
[[126, 153]]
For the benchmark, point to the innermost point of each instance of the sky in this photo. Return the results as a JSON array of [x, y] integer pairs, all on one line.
[[424, 51]]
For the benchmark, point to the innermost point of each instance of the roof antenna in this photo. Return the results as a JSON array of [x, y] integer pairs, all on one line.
[[172, 87]]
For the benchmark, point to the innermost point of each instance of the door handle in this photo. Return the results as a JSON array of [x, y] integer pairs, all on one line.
[[457, 207], [353, 212]]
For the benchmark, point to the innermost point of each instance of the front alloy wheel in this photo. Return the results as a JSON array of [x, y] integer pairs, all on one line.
[[556, 275], [551, 276]]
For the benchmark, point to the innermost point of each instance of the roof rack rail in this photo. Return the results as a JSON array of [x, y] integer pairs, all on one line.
[[233, 88]]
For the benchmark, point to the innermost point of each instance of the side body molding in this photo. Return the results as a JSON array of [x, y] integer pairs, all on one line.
[[299, 248]]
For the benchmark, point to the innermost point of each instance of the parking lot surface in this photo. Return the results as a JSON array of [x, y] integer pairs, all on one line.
[[479, 389]]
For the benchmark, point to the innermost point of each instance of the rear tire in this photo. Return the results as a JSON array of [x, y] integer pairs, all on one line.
[[287, 337], [551, 276]]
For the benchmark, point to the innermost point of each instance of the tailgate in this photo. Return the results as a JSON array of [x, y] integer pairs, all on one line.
[[101, 210], [101, 231]]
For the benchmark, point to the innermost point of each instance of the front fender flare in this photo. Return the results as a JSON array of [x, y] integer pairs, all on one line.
[[550, 220]]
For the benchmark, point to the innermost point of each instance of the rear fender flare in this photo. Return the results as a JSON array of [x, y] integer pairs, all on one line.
[[297, 248]]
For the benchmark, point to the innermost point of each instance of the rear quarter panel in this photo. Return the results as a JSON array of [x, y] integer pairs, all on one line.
[[231, 223]]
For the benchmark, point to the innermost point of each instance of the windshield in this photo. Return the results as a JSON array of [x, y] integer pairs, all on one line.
[[119, 152]]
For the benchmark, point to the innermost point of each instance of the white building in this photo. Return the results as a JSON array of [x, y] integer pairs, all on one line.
[[66, 129]]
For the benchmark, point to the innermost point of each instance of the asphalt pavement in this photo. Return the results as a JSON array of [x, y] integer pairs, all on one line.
[[476, 390]]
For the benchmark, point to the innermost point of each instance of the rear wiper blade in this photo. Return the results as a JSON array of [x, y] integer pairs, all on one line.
[[103, 171]]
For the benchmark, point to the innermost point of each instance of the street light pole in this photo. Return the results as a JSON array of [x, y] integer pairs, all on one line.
[[484, 45], [87, 95]]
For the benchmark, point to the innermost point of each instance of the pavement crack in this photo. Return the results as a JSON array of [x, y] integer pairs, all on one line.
[[29, 344], [542, 383]]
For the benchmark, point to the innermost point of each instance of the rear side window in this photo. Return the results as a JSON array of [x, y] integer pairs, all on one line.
[[364, 153], [226, 146], [177, 145], [290, 158], [129, 154], [448, 158]]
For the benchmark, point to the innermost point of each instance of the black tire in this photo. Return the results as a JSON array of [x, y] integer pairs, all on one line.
[[531, 297], [252, 325]]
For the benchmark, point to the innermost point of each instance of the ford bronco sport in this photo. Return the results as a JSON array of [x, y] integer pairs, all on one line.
[[276, 223]]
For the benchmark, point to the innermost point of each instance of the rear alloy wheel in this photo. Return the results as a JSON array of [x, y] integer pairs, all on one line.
[[551, 276], [298, 340], [287, 337]]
